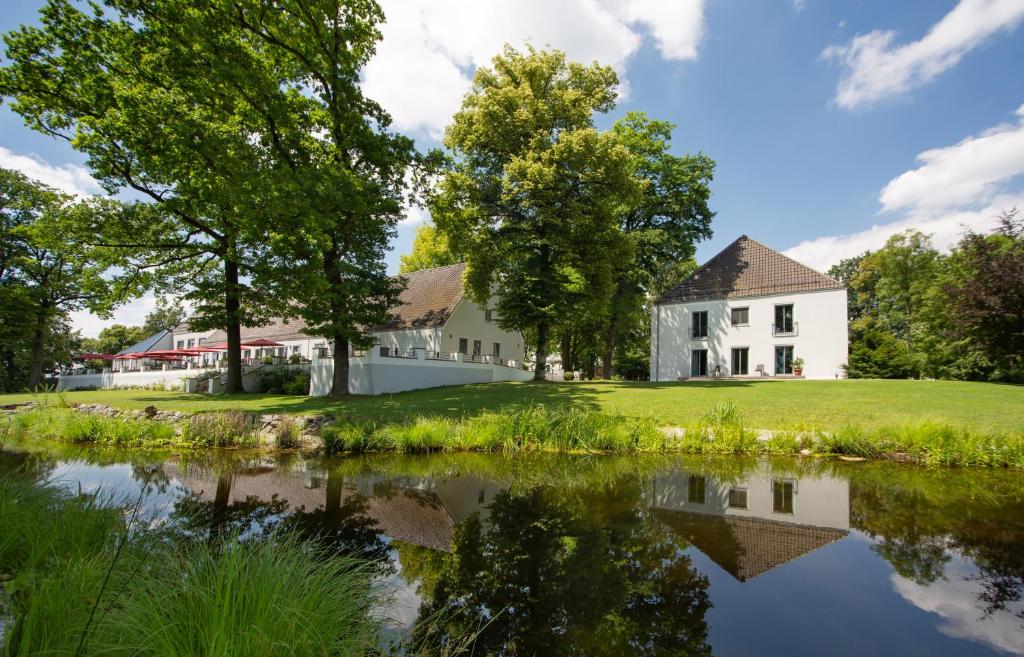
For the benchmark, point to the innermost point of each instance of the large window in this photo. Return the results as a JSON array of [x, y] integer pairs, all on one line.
[[191, 342], [699, 328], [784, 359], [699, 362], [737, 498], [478, 347], [740, 316], [695, 489], [463, 346], [782, 495], [784, 324], [181, 344], [740, 361], [488, 316], [496, 350]]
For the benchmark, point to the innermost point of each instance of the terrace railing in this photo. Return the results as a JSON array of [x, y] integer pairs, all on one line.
[[783, 330], [439, 355]]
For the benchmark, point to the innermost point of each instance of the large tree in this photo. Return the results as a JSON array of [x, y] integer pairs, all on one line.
[[663, 227], [430, 248], [125, 88], [533, 190], [47, 270]]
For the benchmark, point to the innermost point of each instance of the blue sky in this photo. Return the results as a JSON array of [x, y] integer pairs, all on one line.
[[834, 124]]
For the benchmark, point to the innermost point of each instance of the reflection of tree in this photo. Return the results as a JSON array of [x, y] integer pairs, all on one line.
[[342, 524], [922, 519], [561, 574]]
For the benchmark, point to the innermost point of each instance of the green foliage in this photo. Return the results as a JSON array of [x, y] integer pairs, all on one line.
[[168, 314], [166, 594], [286, 436], [227, 429], [533, 188], [73, 427], [430, 249]]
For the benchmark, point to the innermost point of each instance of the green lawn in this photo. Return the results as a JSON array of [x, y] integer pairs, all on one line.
[[765, 404]]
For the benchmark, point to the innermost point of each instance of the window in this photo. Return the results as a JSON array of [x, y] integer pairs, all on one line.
[[181, 344], [740, 316], [478, 347], [497, 350], [782, 496], [699, 326], [699, 362], [784, 320], [191, 342], [202, 340], [280, 351], [481, 496], [463, 346], [296, 348], [784, 360], [488, 316], [695, 488], [737, 498], [740, 361]]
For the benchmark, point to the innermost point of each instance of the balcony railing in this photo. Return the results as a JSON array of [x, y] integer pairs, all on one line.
[[391, 352], [699, 333], [786, 331], [439, 355]]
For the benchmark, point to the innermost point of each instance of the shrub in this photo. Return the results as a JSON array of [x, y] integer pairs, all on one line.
[[228, 429], [568, 376], [287, 434], [299, 385]]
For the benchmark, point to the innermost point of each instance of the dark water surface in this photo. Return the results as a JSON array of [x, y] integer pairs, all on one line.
[[630, 556]]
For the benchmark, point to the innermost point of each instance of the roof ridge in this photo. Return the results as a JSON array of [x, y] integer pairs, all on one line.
[[454, 264]]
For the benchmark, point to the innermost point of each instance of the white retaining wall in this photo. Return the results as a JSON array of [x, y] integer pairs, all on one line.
[[169, 378], [373, 374]]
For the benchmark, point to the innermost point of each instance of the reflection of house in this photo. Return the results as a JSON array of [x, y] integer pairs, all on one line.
[[749, 312], [751, 526]]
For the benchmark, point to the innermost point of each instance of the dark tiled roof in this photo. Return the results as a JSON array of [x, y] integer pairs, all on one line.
[[747, 268], [145, 345], [429, 297], [428, 300], [748, 547], [278, 329]]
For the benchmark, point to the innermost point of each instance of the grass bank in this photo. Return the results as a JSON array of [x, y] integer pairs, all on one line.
[[84, 575], [724, 429], [785, 405]]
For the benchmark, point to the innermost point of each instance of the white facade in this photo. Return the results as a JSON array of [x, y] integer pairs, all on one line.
[[818, 336]]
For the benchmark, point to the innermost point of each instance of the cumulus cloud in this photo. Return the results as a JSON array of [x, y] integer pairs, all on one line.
[[69, 178], [957, 188], [875, 67], [962, 173], [132, 313], [424, 65], [955, 600]]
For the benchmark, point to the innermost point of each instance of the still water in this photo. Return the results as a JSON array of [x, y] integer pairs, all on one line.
[[629, 556]]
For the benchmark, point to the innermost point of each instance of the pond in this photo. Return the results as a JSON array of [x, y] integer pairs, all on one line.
[[547, 555]]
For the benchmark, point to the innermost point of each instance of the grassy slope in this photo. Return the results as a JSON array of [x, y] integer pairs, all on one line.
[[767, 404]]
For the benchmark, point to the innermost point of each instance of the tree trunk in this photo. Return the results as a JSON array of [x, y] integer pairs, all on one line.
[[339, 385], [35, 373], [542, 352], [566, 352], [609, 349], [233, 328]]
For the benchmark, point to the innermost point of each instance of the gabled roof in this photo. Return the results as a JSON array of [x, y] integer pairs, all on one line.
[[748, 547], [144, 345], [429, 298], [747, 268]]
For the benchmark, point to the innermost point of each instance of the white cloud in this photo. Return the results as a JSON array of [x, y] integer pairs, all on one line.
[[876, 67], [954, 599], [69, 178], [946, 228], [960, 187], [960, 174], [424, 64], [132, 313], [799, 5]]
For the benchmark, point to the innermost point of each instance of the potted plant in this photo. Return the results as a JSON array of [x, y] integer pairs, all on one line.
[[798, 366]]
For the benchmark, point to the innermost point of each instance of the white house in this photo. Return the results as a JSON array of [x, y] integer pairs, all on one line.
[[436, 336], [750, 312]]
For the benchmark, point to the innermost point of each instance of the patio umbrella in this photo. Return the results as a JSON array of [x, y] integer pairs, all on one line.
[[261, 342]]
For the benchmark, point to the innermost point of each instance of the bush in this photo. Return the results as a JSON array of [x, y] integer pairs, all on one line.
[[228, 429], [299, 385], [287, 435], [568, 376], [283, 381]]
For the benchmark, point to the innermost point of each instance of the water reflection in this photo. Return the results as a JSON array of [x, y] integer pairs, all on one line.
[[562, 556]]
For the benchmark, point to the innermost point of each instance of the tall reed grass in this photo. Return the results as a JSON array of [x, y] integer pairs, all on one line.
[[80, 578]]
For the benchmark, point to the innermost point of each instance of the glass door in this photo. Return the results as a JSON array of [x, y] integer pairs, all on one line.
[[784, 360], [740, 358]]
